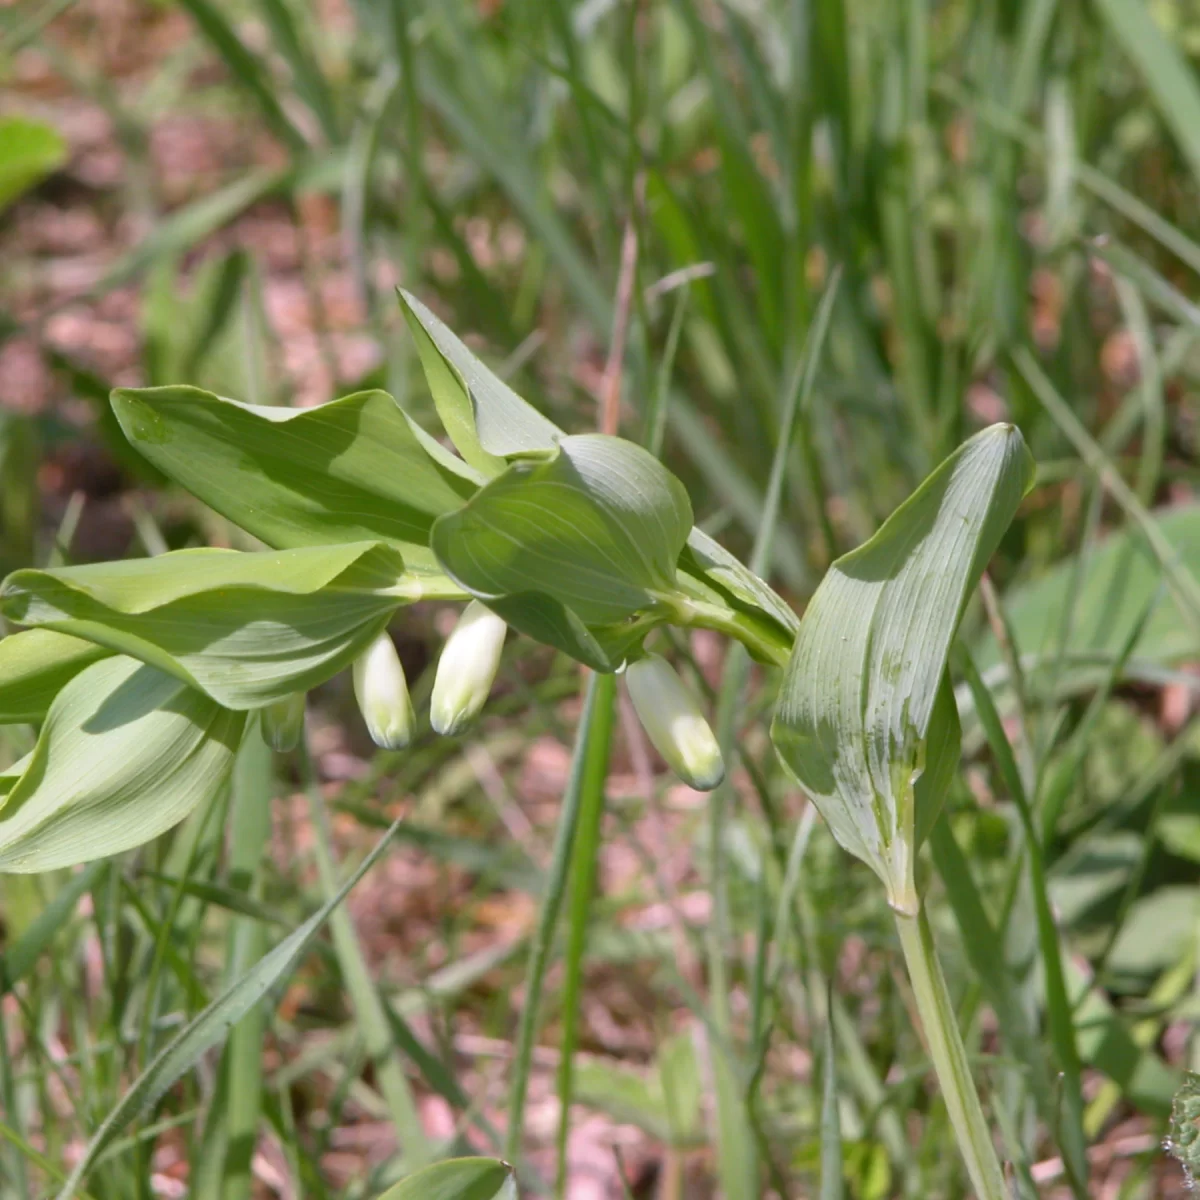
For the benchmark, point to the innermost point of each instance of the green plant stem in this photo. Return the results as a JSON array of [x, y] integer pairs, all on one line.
[[754, 636], [950, 1057]]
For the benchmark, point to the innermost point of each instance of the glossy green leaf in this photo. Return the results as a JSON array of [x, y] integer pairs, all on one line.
[[35, 665], [458, 1179], [860, 690], [486, 420], [126, 752], [29, 151], [248, 629], [598, 528], [356, 469], [211, 1026]]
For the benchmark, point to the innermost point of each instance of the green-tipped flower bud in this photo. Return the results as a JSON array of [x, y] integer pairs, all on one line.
[[673, 722], [283, 722], [382, 694], [467, 668]]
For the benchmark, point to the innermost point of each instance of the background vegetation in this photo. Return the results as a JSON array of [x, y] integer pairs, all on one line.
[[633, 209]]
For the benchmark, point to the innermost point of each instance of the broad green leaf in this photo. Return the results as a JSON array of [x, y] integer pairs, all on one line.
[[35, 665], [859, 693], [1117, 584], [210, 1027], [486, 420], [29, 151], [356, 469], [458, 1179], [247, 629], [126, 752], [595, 530]]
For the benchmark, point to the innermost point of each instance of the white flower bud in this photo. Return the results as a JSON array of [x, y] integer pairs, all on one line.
[[467, 668], [673, 722], [283, 722], [382, 694]]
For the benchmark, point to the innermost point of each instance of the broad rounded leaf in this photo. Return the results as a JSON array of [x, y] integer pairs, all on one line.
[[356, 469], [870, 658], [458, 1179], [486, 420], [35, 665], [125, 753], [597, 528], [247, 629]]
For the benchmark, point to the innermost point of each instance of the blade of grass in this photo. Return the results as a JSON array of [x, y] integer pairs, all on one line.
[[736, 1146], [1058, 1006], [1181, 581], [211, 1025], [583, 869], [1165, 72], [543, 937], [368, 1006], [832, 1183]]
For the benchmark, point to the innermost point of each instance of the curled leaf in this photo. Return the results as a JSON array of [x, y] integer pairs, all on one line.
[[853, 724], [247, 629], [126, 752]]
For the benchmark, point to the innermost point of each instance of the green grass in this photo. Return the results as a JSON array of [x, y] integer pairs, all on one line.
[[1006, 196]]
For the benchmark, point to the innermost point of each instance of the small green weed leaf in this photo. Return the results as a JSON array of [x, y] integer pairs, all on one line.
[[596, 530], [486, 420], [35, 665], [861, 688], [356, 469], [126, 752], [210, 1027], [458, 1179], [29, 151], [247, 629]]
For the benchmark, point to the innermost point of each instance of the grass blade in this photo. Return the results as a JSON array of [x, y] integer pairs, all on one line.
[[211, 1025], [597, 738]]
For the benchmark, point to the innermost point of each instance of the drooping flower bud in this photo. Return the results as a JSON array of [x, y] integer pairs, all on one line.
[[467, 668], [673, 722], [382, 694], [283, 722]]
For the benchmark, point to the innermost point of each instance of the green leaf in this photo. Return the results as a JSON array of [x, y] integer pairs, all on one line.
[[247, 629], [458, 1179], [35, 665], [486, 420], [209, 1027], [859, 693], [126, 752], [1117, 584], [356, 469], [29, 151], [594, 531]]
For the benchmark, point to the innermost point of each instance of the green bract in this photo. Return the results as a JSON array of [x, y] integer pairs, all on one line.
[[865, 712], [587, 537]]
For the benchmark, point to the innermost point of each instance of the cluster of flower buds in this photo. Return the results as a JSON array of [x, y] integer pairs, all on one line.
[[674, 723], [668, 711]]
